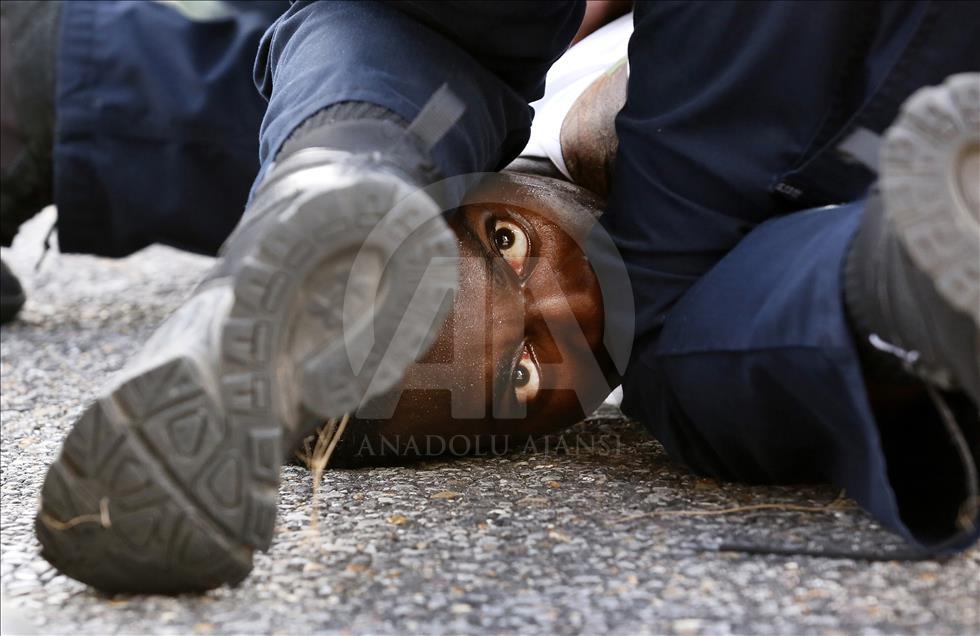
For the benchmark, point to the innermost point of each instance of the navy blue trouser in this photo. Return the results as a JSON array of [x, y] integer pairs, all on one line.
[[157, 118], [743, 365]]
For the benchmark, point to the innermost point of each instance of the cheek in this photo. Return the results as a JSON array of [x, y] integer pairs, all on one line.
[[446, 382], [560, 413], [421, 412], [427, 413], [582, 291]]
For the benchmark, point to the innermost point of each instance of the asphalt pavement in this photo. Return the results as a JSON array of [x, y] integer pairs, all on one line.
[[575, 537]]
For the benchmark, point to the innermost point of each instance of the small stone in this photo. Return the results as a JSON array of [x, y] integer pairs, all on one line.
[[532, 500], [686, 626], [445, 494], [704, 484]]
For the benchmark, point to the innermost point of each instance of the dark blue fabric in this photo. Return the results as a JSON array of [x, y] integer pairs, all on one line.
[[157, 114], [757, 380], [397, 54], [157, 124], [730, 133], [743, 364]]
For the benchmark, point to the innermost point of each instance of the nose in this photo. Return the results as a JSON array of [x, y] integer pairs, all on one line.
[[486, 330], [565, 325], [506, 310], [547, 304]]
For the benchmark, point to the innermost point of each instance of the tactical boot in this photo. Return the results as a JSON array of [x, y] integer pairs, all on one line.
[[325, 293], [912, 279], [11, 294]]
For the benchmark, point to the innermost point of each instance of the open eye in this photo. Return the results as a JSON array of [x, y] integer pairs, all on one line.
[[526, 379], [511, 243]]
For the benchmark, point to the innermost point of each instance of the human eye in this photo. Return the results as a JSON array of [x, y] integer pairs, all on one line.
[[526, 377], [511, 242]]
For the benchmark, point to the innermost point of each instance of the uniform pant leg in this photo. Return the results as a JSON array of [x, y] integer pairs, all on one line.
[[756, 378], [743, 363], [493, 55], [157, 122]]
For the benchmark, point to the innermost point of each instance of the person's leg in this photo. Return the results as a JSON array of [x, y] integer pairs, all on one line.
[[134, 146], [28, 42], [493, 56], [748, 124], [157, 123], [329, 287], [28, 47], [756, 377], [752, 374]]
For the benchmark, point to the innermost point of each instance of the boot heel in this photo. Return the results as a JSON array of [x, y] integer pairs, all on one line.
[[125, 507]]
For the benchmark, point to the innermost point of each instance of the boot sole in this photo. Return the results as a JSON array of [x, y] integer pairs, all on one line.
[[169, 481], [930, 175]]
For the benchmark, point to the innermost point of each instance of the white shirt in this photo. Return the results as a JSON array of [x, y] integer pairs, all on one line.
[[568, 78]]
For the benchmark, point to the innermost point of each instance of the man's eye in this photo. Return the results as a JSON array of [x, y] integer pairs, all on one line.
[[526, 379], [512, 244]]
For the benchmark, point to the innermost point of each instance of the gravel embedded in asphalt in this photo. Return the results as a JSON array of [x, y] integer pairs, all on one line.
[[546, 542]]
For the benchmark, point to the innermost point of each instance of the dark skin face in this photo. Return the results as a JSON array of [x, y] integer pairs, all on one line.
[[520, 353]]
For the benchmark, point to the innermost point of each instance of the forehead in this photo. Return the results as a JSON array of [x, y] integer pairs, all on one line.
[[572, 208]]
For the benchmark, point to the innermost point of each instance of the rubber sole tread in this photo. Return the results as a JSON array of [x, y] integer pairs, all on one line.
[[168, 482]]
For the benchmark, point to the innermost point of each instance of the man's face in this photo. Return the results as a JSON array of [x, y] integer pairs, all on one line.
[[517, 356]]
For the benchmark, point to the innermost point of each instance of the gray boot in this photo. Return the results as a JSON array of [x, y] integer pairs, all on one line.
[[912, 288], [168, 482], [913, 272]]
